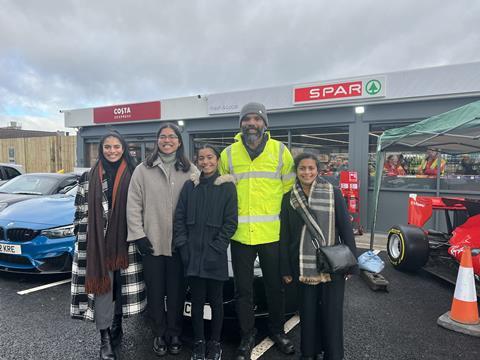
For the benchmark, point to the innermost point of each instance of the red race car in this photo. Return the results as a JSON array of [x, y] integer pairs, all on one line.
[[411, 247]]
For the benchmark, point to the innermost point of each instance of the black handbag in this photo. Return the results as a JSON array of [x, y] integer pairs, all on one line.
[[336, 259]]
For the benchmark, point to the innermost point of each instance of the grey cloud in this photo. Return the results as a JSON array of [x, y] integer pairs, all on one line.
[[70, 54]]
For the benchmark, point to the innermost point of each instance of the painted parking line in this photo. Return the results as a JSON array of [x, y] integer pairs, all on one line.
[[266, 343], [376, 252], [46, 286]]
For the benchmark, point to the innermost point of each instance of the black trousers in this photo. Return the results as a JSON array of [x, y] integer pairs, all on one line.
[[243, 258], [164, 278], [321, 318], [211, 291]]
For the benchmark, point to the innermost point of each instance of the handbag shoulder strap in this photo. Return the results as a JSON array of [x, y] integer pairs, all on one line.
[[311, 229]]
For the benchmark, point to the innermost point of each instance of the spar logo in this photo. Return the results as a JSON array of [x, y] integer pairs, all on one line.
[[373, 87], [338, 91]]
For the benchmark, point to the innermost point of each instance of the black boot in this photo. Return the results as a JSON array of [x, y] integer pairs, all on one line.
[[214, 351], [159, 345], [283, 343], [198, 350], [175, 345], [246, 346], [106, 347], [116, 330]]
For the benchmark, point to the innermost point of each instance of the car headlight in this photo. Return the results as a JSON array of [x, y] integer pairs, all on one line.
[[59, 232]]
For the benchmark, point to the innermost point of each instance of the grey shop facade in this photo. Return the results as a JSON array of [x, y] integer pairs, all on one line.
[[337, 120]]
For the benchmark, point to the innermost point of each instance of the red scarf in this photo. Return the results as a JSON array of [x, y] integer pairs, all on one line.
[[106, 250]]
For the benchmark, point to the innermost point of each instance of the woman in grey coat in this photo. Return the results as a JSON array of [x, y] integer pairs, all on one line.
[[152, 199]]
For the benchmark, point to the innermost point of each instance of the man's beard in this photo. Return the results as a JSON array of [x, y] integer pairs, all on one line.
[[252, 138]]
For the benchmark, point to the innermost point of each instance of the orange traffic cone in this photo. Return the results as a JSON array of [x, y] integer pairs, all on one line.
[[464, 306], [463, 316]]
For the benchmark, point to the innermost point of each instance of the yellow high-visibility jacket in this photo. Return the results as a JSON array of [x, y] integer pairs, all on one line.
[[261, 184], [433, 166]]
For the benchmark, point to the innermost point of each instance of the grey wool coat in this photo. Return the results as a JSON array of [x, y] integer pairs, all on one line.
[[82, 305], [152, 198]]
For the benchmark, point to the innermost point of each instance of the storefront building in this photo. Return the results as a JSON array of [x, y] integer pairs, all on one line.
[[338, 120]]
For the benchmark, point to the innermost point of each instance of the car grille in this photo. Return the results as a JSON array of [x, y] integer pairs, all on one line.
[[21, 235], [15, 259], [2, 234]]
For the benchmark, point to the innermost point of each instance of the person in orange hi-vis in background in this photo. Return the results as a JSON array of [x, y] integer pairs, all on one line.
[[430, 163]]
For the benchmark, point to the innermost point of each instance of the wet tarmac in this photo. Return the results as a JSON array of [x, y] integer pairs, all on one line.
[[398, 324]]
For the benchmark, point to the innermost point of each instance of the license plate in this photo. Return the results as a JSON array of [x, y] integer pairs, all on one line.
[[207, 310], [10, 249]]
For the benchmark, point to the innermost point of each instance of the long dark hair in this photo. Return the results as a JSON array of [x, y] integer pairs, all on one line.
[[181, 161], [126, 154]]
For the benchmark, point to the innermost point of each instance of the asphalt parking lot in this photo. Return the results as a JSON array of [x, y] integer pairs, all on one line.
[[399, 324]]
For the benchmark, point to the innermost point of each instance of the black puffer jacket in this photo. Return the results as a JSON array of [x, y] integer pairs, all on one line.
[[205, 220]]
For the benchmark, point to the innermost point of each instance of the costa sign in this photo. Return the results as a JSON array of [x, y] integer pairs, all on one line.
[[127, 112], [337, 91]]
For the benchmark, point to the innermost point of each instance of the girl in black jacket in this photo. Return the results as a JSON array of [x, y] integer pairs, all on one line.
[[321, 295], [205, 220]]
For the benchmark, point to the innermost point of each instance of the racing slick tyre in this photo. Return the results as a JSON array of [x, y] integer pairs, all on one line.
[[407, 247]]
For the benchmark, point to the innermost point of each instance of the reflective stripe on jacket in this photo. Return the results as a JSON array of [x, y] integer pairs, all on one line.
[[423, 166], [261, 184]]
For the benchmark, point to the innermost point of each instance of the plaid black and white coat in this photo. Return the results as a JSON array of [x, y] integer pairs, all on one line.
[[132, 284]]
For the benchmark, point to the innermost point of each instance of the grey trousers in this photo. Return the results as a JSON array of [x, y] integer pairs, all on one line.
[[106, 306]]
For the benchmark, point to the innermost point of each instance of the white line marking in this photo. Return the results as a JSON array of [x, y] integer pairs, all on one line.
[[376, 252], [266, 343], [28, 291]]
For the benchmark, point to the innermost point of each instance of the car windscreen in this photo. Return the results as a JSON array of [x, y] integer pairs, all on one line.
[[30, 184], [72, 191]]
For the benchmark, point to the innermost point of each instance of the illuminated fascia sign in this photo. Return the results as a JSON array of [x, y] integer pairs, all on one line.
[[362, 88], [127, 112]]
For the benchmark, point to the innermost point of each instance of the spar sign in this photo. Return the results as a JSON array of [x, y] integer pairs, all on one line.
[[361, 88]]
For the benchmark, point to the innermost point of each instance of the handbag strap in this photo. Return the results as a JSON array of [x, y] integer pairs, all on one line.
[[310, 229]]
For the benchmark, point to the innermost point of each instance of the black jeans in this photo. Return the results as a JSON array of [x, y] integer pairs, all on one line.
[[321, 318], [164, 278], [211, 291], [243, 258]]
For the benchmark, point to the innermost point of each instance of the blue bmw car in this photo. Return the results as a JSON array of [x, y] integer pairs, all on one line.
[[36, 231]]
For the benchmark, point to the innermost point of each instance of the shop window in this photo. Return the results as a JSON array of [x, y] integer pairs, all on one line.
[[219, 140], [329, 144], [402, 167], [417, 170], [462, 172]]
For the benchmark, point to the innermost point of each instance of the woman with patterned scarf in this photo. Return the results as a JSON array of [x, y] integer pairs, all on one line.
[[107, 278], [314, 209]]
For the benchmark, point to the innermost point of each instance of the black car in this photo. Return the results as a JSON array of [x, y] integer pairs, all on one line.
[[259, 297]]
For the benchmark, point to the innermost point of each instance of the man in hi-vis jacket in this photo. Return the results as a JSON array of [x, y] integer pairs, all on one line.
[[263, 169]]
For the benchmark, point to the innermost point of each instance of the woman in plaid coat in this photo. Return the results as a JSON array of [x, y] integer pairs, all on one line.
[[107, 273]]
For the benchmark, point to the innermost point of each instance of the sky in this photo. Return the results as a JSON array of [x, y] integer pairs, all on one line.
[[70, 54]]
